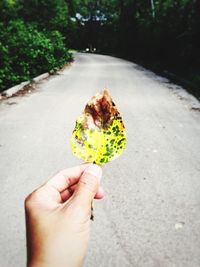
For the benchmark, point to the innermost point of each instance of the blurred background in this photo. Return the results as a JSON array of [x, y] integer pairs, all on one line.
[[163, 35]]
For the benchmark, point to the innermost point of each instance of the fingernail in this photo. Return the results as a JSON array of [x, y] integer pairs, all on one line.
[[94, 170]]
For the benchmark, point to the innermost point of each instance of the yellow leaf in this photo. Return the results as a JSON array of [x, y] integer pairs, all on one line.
[[99, 135]]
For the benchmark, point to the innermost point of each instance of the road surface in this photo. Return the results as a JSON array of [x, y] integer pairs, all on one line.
[[150, 216]]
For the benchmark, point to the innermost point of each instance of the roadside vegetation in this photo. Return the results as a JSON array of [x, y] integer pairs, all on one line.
[[31, 40], [35, 35]]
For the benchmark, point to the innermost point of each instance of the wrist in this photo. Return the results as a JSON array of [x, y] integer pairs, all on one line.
[[36, 263]]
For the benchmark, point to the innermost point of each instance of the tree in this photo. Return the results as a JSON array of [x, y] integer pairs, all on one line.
[[50, 15]]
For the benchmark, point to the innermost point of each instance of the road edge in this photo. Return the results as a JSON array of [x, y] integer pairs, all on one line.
[[23, 86]]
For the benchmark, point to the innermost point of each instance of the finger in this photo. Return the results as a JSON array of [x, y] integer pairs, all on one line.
[[66, 194], [100, 193], [66, 178], [73, 188], [88, 185]]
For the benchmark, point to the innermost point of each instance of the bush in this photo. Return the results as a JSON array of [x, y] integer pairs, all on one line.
[[59, 48], [26, 52]]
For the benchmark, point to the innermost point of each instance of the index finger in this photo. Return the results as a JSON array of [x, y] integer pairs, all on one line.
[[65, 178]]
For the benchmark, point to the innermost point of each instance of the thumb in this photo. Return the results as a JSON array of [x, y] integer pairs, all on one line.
[[88, 185]]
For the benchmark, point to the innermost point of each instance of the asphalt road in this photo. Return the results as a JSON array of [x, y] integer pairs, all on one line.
[[150, 216]]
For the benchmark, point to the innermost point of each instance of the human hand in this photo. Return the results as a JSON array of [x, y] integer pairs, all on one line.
[[58, 217]]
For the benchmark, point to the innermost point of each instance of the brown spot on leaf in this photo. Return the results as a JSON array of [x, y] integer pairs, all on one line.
[[102, 109]]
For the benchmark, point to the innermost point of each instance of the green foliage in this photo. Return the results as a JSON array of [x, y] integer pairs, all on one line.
[[49, 15], [162, 34], [9, 10], [27, 52], [31, 41]]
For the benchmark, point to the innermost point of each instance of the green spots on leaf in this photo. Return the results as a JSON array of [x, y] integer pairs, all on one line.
[[99, 144]]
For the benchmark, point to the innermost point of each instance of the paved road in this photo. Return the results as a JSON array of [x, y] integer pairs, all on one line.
[[150, 216]]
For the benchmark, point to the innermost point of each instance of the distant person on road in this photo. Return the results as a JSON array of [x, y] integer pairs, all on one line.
[[58, 217]]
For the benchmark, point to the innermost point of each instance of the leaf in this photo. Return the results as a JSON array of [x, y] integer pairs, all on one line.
[[99, 135]]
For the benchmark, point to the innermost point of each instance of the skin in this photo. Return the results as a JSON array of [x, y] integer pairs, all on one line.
[[58, 217]]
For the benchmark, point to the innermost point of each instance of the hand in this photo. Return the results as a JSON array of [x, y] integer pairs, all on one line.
[[58, 217]]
